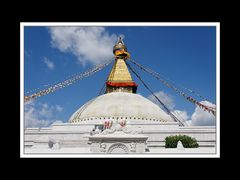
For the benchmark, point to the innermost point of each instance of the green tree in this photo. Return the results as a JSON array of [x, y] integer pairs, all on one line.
[[187, 141]]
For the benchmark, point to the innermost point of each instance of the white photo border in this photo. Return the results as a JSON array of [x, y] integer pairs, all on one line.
[[216, 24]]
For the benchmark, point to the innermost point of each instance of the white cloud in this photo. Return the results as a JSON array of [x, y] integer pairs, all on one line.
[[199, 116], [40, 114], [49, 63], [182, 115], [59, 108], [89, 44], [165, 98], [203, 118]]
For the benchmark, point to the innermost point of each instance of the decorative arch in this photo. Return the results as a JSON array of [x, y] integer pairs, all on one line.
[[118, 148]]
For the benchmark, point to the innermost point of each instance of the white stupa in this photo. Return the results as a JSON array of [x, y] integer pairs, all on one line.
[[119, 103]]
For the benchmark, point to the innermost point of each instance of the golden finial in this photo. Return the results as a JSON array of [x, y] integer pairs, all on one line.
[[120, 50]]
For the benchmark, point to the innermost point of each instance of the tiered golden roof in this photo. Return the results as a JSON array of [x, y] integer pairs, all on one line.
[[119, 72], [119, 79]]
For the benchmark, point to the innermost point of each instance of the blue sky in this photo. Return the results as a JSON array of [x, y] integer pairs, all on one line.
[[186, 55]]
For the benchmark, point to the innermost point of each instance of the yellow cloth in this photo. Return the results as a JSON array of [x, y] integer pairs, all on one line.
[[119, 52]]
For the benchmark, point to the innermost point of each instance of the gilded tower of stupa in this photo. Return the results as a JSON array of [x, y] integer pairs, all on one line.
[[119, 79]]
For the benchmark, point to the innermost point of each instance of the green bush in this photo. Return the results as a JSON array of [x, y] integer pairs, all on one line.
[[187, 142]]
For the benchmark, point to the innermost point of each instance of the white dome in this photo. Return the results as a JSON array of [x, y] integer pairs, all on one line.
[[120, 105]]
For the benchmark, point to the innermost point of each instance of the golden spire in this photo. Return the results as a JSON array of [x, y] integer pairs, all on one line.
[[119, 72], [119, 79]]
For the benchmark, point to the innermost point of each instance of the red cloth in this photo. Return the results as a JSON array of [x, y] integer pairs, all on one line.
[[121, 84]]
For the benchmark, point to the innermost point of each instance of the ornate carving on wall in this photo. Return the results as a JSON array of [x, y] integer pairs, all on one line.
[[133, 147], [103, 147], [118, 148]]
